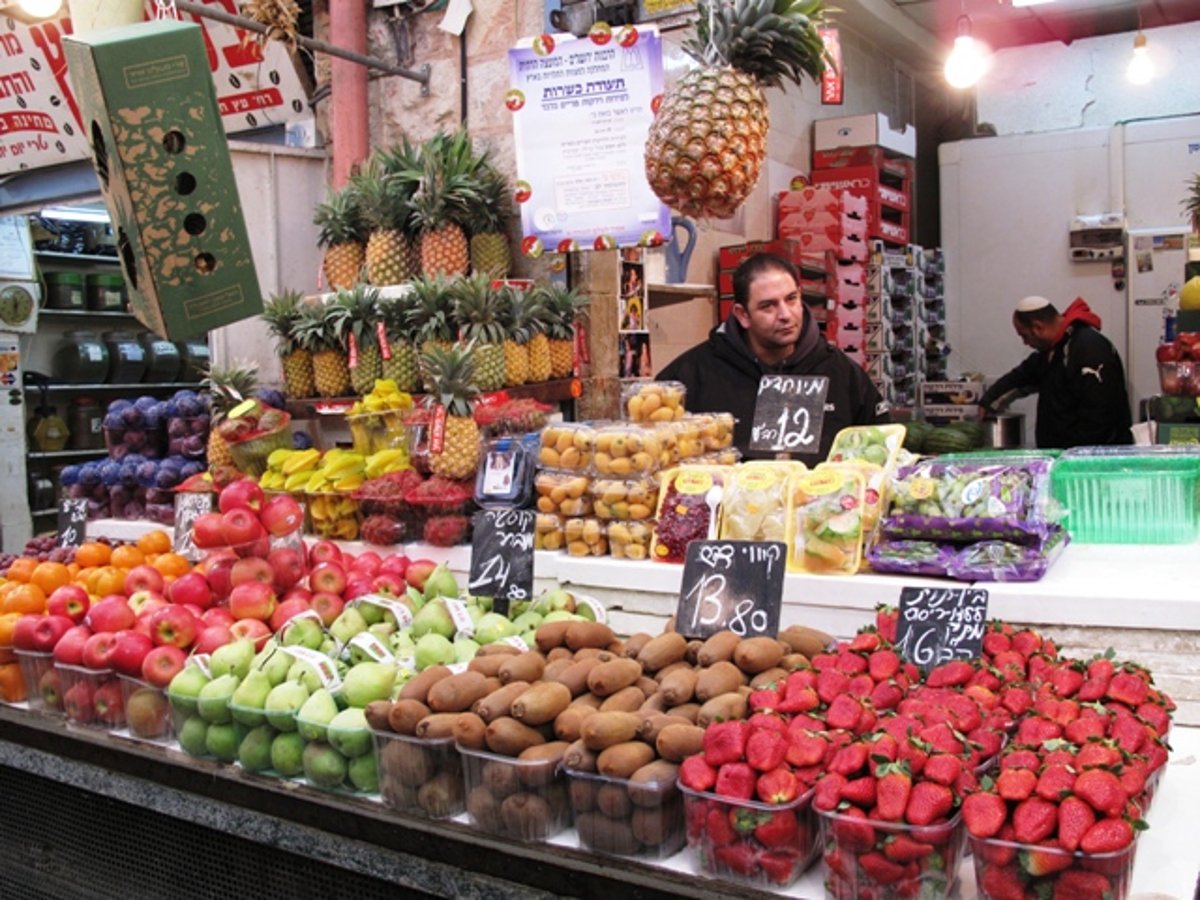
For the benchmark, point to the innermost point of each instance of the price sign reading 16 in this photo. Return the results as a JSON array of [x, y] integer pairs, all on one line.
[[711, 606]]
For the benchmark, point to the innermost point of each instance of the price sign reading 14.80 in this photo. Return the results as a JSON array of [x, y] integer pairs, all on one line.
[[734, 585], [789, 413], [502, 556], [938, 625]]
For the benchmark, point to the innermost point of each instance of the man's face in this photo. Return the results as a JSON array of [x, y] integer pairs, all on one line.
[[774, 312], [1035, 335]]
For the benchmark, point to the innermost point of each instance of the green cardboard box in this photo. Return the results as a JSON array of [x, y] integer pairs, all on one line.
[[1178, 433], [150, 111]]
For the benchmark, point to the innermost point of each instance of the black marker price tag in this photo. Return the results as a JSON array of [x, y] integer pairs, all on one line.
[[734, 585], [72, 522], [789, 413], [502, 556], [189, 506], [938, 625]]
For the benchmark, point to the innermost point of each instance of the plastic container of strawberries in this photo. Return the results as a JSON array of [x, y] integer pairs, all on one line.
[[759, 844], [1003, 867], [627, 818], [862, 858]]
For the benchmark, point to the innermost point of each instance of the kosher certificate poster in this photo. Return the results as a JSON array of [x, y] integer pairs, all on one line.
[[582, 108]]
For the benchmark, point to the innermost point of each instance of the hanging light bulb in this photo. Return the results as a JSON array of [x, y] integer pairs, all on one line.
[[967, 61], [40, 9], [1141, 66]]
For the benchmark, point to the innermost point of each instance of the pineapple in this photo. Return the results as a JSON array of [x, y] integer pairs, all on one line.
[[400, 363], [449, 380], [384, 198], [564, 308], [227, 387], [448, 190], [537, 317], [324, 328], [490, 252], [281, 313], [432, 314], [362, 312], [707, 143], [342, 230], [477, 307], [516, 346]]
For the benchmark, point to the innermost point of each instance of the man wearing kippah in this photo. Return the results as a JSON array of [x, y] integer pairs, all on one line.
[[1074, 370]]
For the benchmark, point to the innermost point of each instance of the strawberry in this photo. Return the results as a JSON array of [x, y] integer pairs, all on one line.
[[1037, 668], [801, 678], [1155, 715], [809, 775], [1128, 688], [1133, 776], [1058, 753], [1034, 730], [990, 741], [914, 752], [805, 722], [717, 826], [996, 642], [928, 802], [943, 768], [1039, 861], [955, 672], [764, 699], [1034, 819], [966, 783], [1092, 689], [1002, 883], [860, 791], [1128, 732], [1101, 667], [844, 711], [1055, 782], [1026, 642], [736, 780], [697, 774], [799, 698], [1107, 836], [880, 869], [1002, 851], [745, 819], [883, 747], [1066, 679], [778, 786], [865, 642], [831, 684], [942, 738], [1016, 699], [853, 831], [893, 790], [901, 848], [1080, 884], [739, 858], [766, 750], [986, 679], [768, 721], [849, 759], [883, 664], [828, 791], [887, 620], [725, 742], [851, 663], [780, 868], [1102, 790], [1084, 728], [823, 661], [1156, 754], [900, 726], [861, 686], [779, 830], [1075, 817], [806, 748], [1020, 758], [1016, 784], [965, 714], [984, 814], [1098, 754]]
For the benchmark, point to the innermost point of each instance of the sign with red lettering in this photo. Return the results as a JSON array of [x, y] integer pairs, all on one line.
[[40, 124], [832, 78]]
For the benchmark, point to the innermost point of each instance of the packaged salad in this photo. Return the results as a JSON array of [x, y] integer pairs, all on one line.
[[1007, 561], [825, 520], [878, 444], [902, 557], [754, 507], [689, 506]]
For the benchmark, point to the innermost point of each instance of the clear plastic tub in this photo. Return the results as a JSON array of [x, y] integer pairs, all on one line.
[[91, 697], [147, 710], [549, 532], [333, 515], [754, 506], [563, 493], [567, 445], [653, 401], [521, 799], [627, 450], [1001, 864], [630, 540], [624, 499], [43, 685], [420, 777], [770, 855], [343, 760], [689, 509], [626, 818], [371, 432], [585, 537], [1130, 495]]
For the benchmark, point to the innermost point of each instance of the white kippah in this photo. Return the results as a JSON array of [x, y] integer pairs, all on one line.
[[1030, 304]]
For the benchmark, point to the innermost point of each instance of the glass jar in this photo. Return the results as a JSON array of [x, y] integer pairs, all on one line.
[[85, 420], [105, 293], [81, 358], [64, 290], [162, 358], [195, 359], [126, 357]]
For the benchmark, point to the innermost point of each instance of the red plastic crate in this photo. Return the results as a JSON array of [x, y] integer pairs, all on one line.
[[824, 199], [878, 157], [868, 182]]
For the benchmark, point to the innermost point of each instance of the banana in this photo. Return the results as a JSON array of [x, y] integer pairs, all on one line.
[[301, 461]]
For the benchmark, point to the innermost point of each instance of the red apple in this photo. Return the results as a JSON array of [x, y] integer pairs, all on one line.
[[252, 600], [240, 494], [252, 568], [191, 589], [253, 629], [1167, 352], [142, 626], [287, 610], [211, 637], [324, 551], [144, 603], [48, 631], [174, 625], [281, 515], [78, 701], [368, 563], [144, 578], [387, 583], [259, 547], [111, 613], [287, 563], [217, 572], [395, 564], [297, 592], [109, 703], [50, 688], [356, 586], [241, 528], [162, 664], [128, 651], [69, 600], [329, 577], [22, 637], [217, 615], [69, 649], [206, 531], [418, 572], [328, 606], [97, 648]]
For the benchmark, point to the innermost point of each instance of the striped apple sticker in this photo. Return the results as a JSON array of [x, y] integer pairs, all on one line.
[[627, 36], [656, 103], [566, 245], [652, 237], [532, 246], [543, 45], [600, 33], [522, 192], [604, 242], [514, 99]]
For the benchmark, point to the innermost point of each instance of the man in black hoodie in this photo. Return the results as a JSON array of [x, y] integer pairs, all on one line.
[[769, 332]]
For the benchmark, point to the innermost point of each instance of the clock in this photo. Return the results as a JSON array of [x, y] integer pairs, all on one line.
[[16, 305]]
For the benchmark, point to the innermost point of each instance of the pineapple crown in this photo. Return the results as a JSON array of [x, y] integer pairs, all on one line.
[[449, 182], [383, 196], [449, 377], [477, 307], [491, 203], [563, 308], [340, 219], [230, 385], [433, 306], [1191, 203], [362, 309], [323, 326], [521, 312], [396, 313], [281, 312], [773, 41]]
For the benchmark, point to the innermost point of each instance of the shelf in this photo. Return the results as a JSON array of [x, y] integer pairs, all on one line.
[[141, 386], [66, 454], [77, 257], [682, 290], [559, 391], [45, 313], [44, 513]]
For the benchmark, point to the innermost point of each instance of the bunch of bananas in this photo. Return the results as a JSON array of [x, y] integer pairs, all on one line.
[[377, 420]]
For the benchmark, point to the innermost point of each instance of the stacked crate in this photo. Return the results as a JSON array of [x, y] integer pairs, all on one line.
[[931, 298]]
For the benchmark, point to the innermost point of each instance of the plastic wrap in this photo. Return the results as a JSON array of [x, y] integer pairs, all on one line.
[[906, 557], [754, 507], [1006, 561], [688, 508], [825, 520]]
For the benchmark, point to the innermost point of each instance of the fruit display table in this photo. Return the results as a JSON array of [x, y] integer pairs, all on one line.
[[56, 779]]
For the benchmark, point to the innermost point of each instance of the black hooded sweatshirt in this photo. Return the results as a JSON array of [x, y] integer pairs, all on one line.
[[722, 375]]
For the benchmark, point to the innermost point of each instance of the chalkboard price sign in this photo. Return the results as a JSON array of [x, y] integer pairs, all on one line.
[[72, 522], [789, 413], [189, 506], [938, 624], [502, 556], [734, 585]]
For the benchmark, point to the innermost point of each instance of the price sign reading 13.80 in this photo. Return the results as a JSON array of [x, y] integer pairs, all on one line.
[[938, 625], [734, 585], [789, 413]]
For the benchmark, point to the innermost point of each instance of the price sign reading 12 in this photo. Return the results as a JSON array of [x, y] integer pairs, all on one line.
[[938, 625], [734, 585], [789, 413]]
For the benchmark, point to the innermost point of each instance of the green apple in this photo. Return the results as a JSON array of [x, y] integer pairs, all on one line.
[[303, 632], [250, 697], [282, 703], [493, 627], [465, 649], [364, 773], [193, 735], [527, 621], [348, 623], [323, 766], [432, 618], [368, 681], [233, 658], [254, 752], [273, 662], [287, 754], [349, 734], [432, 650], [318, 710], [441, 583], [223, 740], [185, 688], [213, 702]]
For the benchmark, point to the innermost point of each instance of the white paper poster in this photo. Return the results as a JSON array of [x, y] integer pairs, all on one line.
[[582, 108]]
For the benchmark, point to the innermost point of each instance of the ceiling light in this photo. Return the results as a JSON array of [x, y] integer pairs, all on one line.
[[76, 214], [1141, 66], [1017, 4], [968, 60], [30, 11]]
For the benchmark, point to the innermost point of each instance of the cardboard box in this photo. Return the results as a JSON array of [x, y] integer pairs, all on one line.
[[166, 175], [872, 129], [941, 413], [951, 392], [844, 248], [845, 293], [864, 181], [823, 198]]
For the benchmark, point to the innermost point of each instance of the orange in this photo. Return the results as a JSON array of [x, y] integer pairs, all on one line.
[[12, 685], [127, 556], [8, 621], [22, 569], [93, 553], [50, 575], [28, 598], [155, 541], [171, 564], [107, 580]]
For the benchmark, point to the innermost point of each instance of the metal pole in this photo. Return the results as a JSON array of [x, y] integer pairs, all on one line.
[[420, 76]]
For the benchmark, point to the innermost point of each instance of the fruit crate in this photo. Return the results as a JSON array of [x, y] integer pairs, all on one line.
[[333, 515], [627, 818], [338, 759], [418, 776], [1130, 495], [42, 683], [147, 710], [521, 799], [190, 729], [1003, 868], [723, 834], [854, 851], [91, 697]]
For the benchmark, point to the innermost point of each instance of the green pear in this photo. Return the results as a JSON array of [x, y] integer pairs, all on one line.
[[371, 612], [432, 650], [304, 672], [465, 649], [248, 700], [318, 710], [185, 688], [527, 621], [485, 604], [557, 599], [382, 630], [254, 752], [349, 734], [348, 623], [530, 638], [282, 703], [560, 615], [368, 681], [323, 766], [493, 627], [441, 583], [274, 665], [432, 618], [193, 735], [402, 642], [303, 632], [287, 752], [415, 598], [328, 647], [213, 702], [223, 740], [363, 773], [518, 608], [233, 658]]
